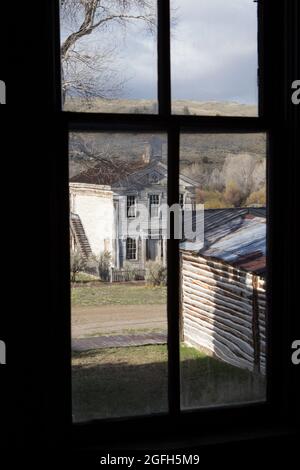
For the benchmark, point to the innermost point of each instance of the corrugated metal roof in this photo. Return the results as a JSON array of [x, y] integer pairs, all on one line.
[[236, 236]]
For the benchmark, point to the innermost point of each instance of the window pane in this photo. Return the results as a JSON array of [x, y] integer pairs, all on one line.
[[109, 57], [131, 205], [214, 57], [131, 252], [118, 271], [223, 271]]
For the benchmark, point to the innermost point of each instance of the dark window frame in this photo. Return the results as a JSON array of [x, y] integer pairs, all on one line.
[[152, 205], [131, 247], [131, 213], [278, 120]]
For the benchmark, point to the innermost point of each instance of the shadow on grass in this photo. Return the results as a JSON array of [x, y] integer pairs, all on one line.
[[133, 381], [206, 381]]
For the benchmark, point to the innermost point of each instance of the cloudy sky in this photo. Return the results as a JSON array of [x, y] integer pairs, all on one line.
[[214, 53]]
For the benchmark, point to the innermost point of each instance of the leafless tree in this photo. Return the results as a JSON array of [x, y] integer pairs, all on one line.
[[239, 168], [247, 171], [216, 180], [78, 263], [259, 175], [87, 72], [100, 164]]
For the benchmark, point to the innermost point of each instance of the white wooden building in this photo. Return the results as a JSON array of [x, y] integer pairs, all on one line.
[[102, 217]]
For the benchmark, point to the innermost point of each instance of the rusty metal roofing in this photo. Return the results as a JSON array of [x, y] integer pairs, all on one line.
[[235, 236]]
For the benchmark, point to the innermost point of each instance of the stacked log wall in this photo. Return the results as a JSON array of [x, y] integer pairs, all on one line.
[[224, 311]]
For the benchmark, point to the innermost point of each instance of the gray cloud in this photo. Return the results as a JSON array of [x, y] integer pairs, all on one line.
[[214, 52]]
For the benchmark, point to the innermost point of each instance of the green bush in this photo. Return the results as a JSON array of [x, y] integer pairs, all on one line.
[[257, 198], [211, 199], [156, 273], [78, 263], [81, 264], [233, 194], [104, 265], [131, 269]]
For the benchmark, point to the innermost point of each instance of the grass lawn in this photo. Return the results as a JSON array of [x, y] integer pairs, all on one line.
[[122, 294], [86, 277], [119, 382], [128, 331]]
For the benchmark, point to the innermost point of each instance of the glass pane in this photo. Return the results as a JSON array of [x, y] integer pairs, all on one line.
[[118, 272], [109, 56], [223, 271], [214, 57]]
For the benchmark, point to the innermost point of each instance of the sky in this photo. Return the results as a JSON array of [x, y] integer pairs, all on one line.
[[214, 53]]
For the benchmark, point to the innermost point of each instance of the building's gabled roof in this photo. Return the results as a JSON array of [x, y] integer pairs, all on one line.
[[244, 247], [135, 177], [222, 222], [154, 172], [105, 172], [235, 236], [141, 178]]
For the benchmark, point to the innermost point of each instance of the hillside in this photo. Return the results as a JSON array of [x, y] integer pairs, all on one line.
[[209, 108], [200, 153]]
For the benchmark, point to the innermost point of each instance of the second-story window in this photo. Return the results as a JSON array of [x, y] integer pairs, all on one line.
[[131, 207], [154, 205]]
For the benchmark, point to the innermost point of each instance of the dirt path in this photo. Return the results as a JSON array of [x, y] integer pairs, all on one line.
[[117, 319]]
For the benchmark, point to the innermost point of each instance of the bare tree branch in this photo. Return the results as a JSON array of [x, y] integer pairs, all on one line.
[[101, 164], [90, 74]]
